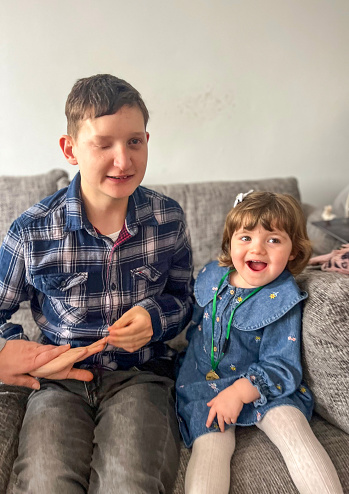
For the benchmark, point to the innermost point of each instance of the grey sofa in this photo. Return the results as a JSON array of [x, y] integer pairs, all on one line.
[[256, 466]]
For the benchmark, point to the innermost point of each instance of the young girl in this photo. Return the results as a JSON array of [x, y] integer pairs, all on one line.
[[243, 362]]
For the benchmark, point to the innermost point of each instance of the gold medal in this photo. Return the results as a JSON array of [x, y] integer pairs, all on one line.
[[212, 375]]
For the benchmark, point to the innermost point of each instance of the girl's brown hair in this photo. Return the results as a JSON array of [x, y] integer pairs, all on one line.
[[269, 210]]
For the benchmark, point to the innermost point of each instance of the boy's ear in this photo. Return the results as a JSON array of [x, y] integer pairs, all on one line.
[[66, 143]]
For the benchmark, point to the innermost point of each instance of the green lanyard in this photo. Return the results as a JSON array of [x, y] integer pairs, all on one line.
[[211, 375]]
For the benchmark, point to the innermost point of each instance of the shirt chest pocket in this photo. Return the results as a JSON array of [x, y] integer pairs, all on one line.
[[148, 280], [63, 295]]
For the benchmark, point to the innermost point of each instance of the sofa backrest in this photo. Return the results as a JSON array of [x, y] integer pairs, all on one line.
[[19, 193], [207, 204]]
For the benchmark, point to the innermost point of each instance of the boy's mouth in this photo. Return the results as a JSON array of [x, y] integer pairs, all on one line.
[[124, 177], [256, 265]]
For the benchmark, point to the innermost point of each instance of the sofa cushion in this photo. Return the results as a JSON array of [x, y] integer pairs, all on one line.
[[19, 193], [326, 344], [207, 204]]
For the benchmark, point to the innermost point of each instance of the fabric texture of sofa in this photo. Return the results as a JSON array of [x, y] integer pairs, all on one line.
[[256, 465]]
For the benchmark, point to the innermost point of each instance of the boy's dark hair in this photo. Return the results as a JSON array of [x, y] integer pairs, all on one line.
[[270, 210], [98, 95]]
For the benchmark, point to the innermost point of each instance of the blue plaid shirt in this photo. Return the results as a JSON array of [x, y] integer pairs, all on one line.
[[79, 282]]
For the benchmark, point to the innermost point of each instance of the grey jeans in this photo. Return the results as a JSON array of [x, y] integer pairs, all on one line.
[[115, 434]]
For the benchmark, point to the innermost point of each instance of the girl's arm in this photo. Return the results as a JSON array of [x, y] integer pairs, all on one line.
[[278, 373]]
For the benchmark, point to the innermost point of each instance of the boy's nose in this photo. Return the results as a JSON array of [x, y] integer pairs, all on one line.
[[121, 158]]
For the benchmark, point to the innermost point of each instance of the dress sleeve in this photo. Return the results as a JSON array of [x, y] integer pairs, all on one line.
[[278, 373]]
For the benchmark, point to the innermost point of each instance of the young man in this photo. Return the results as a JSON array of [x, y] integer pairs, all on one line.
[[102, 258]]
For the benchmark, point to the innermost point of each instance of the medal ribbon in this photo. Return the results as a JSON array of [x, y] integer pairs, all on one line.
[[214, 363]]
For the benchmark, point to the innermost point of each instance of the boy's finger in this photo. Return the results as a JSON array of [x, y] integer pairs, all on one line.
[[56, 365], [26, 381], [45, 355], [97, 343], [80, 374]]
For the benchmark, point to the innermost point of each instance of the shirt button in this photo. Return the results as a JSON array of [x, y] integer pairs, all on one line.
[[232, 292], [217, 319], [214, 348], [113, 286]]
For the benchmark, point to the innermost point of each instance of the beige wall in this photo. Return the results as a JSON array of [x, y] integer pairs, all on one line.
[[236, 88]]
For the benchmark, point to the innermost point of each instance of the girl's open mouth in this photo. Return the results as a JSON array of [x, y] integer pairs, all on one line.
[[256, 265]]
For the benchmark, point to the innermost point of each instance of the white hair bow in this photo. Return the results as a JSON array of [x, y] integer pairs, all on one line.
[[240, 197]]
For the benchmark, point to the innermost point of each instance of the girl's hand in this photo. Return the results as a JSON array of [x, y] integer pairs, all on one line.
[[62, 367], [228, 404]]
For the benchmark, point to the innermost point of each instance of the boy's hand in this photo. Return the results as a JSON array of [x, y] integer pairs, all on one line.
[[19, 357], [228, 404], [132, 331], [62, 366]]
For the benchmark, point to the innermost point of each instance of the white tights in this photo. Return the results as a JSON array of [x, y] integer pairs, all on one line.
[[308, 463]]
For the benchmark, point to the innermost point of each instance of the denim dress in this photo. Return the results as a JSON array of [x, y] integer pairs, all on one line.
[[264, 347]]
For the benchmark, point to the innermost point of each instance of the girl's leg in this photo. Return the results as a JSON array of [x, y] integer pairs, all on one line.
[[308, 463], [209, 465]]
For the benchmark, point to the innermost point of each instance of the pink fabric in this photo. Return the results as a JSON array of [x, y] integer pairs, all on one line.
[[337, 260]]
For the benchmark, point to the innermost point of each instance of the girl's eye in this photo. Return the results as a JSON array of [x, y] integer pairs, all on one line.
[[274, 241], [245, 238]]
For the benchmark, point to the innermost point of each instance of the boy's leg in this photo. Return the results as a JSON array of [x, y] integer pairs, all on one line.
[[209, 465], [308, 463], [13, 400], [136, 445], [56, 440]]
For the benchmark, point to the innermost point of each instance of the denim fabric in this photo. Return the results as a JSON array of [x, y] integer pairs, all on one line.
[[79, 282], [13, 401], [264, 347], [116, 434]]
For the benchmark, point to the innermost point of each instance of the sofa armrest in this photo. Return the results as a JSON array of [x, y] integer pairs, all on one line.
[[326, 343]]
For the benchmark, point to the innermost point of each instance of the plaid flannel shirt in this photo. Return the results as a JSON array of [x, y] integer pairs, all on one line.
[[79, 282]]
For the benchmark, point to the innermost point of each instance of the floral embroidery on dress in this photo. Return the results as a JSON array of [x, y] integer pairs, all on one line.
[[302, 389], [259, 416], [232, 367], [199, 327], [214, 387], [279, 387], [206, 316], [273, 295], [292, 338], [214, 288], [239, 299], [258, 338]]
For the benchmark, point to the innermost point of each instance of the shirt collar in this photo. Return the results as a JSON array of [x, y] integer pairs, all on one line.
[[139, 209]]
